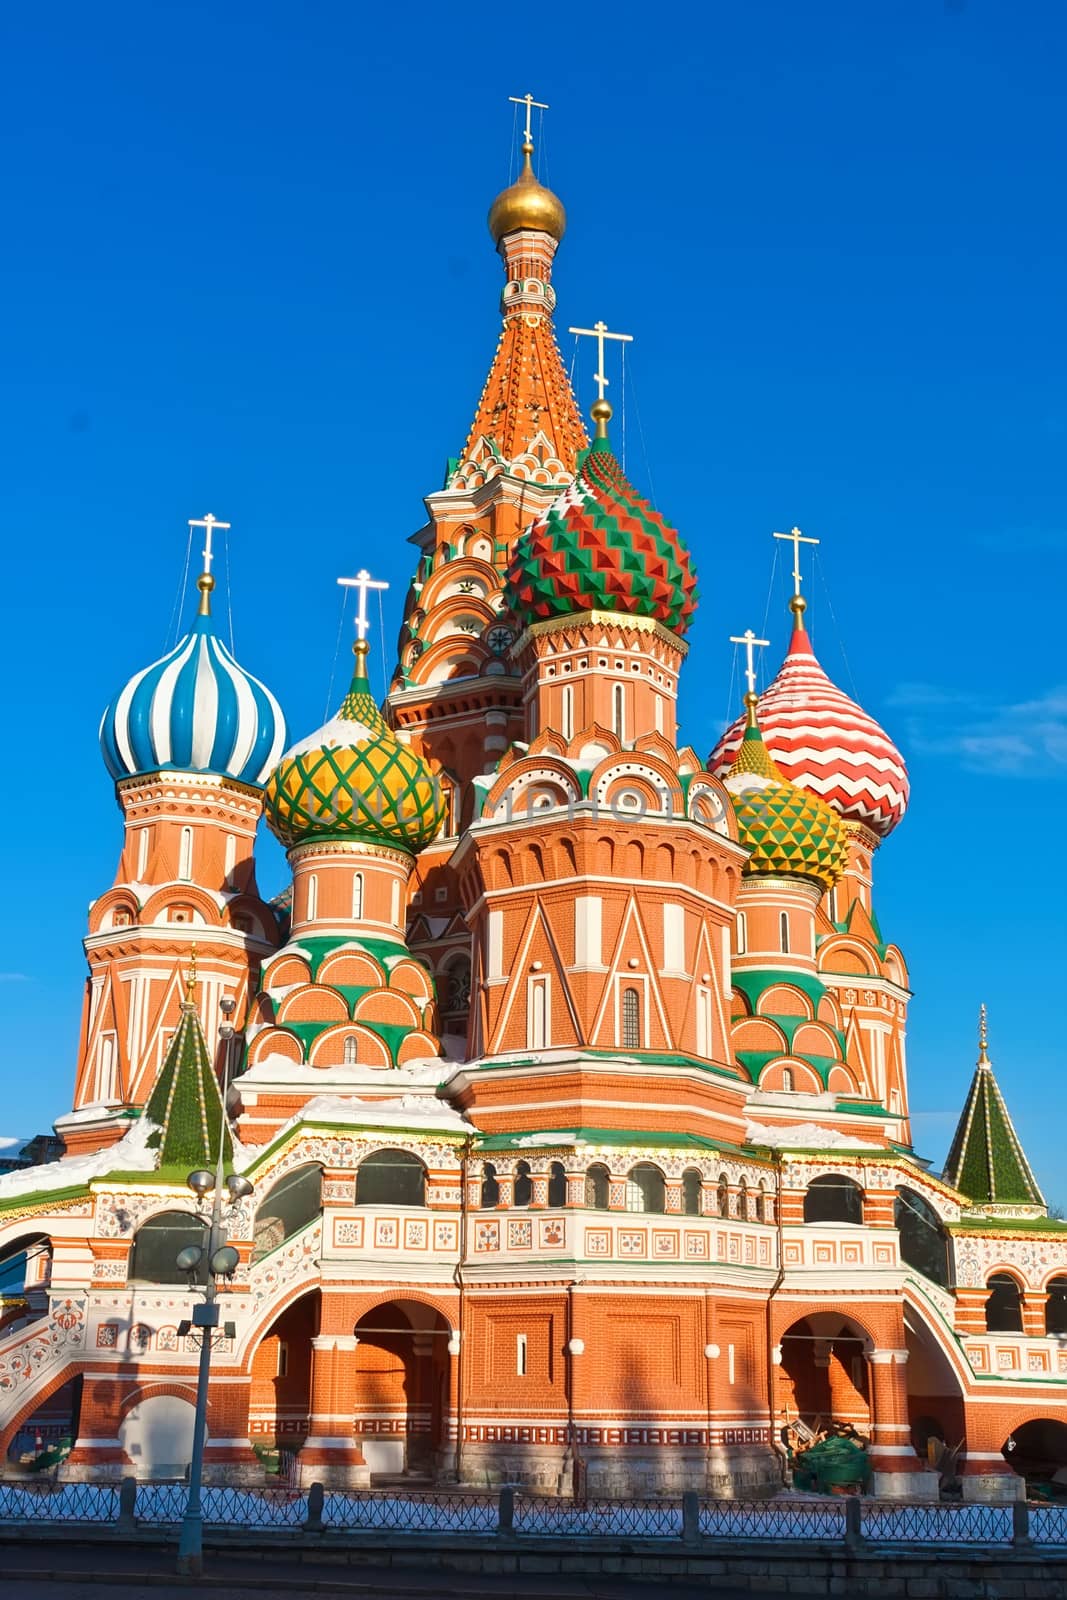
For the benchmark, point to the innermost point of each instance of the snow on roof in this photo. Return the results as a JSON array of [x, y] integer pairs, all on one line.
[[805, 1136], [130, 1154], [417, 1112], [338, 731], [277, 1068]]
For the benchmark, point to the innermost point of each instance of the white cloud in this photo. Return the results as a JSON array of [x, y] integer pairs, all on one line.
[[1026, 739]]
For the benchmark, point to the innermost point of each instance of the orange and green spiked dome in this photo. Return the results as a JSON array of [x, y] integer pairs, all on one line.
[[353, 779], [601, 547], [790, 832]]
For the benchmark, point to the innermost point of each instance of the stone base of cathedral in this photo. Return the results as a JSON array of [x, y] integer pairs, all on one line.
[[993, 1488], [725, 1473], [905, 1485]]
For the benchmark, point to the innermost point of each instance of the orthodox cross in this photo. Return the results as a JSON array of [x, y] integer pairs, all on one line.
[[796, 539], [531, 104], [599, 332], [209, 524], [363, 582], [751, 643]]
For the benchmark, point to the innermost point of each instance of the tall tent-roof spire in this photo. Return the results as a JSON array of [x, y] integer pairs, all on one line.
[[527, 423], [986, 1161], [185, 1103]]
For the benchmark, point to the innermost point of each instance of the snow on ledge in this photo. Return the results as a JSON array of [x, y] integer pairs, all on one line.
[[276, 1068], [129, 1154], [805, 1136], [413, 1112]]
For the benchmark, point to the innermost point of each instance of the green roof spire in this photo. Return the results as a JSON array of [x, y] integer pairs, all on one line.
[[986, 1161], [185, 1103]]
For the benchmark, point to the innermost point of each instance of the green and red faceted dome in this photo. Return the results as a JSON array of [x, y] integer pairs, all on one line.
[[601, 547]]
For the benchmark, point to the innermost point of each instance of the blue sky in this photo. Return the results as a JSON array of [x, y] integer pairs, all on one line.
[[246, 270]]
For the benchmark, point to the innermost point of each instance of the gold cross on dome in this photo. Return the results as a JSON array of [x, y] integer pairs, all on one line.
[[751, 644], [362, 582], [531, 104], [209, 524], [796, 539], [599, 332]]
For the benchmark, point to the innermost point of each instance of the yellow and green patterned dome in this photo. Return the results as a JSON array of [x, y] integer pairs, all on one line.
[[353, 779], [789, 831]]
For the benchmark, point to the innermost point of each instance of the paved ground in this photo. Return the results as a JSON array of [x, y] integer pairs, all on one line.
[[64, 1571]]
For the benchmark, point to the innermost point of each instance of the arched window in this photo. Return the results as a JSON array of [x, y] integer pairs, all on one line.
[[789, 1080], [833, 1198], [557, 1184], [763, 1203], [312, 900], [351, 1051], [1056, 1306], [597, 1188], [783, 932], [522, 1192], [457, 988], [185, 855], [645, 1190], [1004, 1308], [156, 1245], [631, 1019], [144, 838], [923, 1241], [691, 1192], [618, 712], [741, 935], [742, 1200], [357, 896], [231, 856], [391, 1178], [490, 1187], [286, 1208], [722, 1197]]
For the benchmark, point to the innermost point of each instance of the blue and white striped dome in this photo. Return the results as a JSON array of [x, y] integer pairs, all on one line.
[[195, 710]]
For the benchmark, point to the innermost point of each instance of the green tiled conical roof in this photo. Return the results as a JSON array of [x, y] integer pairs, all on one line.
[[186, 1104], [986, 1161]]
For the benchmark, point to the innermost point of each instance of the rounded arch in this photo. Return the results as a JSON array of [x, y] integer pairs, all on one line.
[[924, 1243], [39, 1397], [1056, 1304], [157, 1242], [822, 1372], [182, 894], [646, 1188], [1004, 1304], [835, 1199], [391, 1177], [290, 1203], [156, 1430], [597, 1187], [1037, 1450], [692, 1191]]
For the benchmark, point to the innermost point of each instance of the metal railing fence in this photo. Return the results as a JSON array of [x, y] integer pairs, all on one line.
[[851, 1521]]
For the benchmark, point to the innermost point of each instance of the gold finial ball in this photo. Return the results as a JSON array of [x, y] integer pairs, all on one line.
[[798, 605], [527, 206], [601, 411], [205, 583]]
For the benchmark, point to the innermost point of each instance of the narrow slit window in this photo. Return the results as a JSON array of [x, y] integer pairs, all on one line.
[[357, 896], [520, 1354], [185, 855], [631, 1019], [783, 926], [618, 702]]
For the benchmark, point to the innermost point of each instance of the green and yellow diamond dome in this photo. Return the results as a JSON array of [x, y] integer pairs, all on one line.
[[790, 832], [353, 779]]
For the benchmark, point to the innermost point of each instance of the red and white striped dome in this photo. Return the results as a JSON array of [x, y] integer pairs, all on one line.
[[825, 742]]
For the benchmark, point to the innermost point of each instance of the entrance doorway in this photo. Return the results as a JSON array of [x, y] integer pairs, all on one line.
[[401, 1390]]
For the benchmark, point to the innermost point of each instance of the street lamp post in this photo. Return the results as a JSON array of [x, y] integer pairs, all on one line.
[[208, 1263]]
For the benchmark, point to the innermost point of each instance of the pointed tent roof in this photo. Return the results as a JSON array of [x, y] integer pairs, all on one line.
[[186, 1104], [986, 1160]]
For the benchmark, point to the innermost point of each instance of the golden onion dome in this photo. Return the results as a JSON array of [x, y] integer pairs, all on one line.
[[527, 204]]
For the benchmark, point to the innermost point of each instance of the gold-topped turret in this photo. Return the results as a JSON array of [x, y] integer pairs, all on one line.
[[527, 205]]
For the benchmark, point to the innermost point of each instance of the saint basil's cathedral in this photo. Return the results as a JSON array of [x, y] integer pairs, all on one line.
[[568, 1080]]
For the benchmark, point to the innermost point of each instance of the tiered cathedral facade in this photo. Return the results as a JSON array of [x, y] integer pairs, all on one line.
[[570, 1077]]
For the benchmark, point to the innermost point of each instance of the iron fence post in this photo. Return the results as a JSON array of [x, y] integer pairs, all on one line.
[[127, 1522], [854, 1523], [690, 1517], [505, 1522], [1020, 1525], [313, 1523]]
